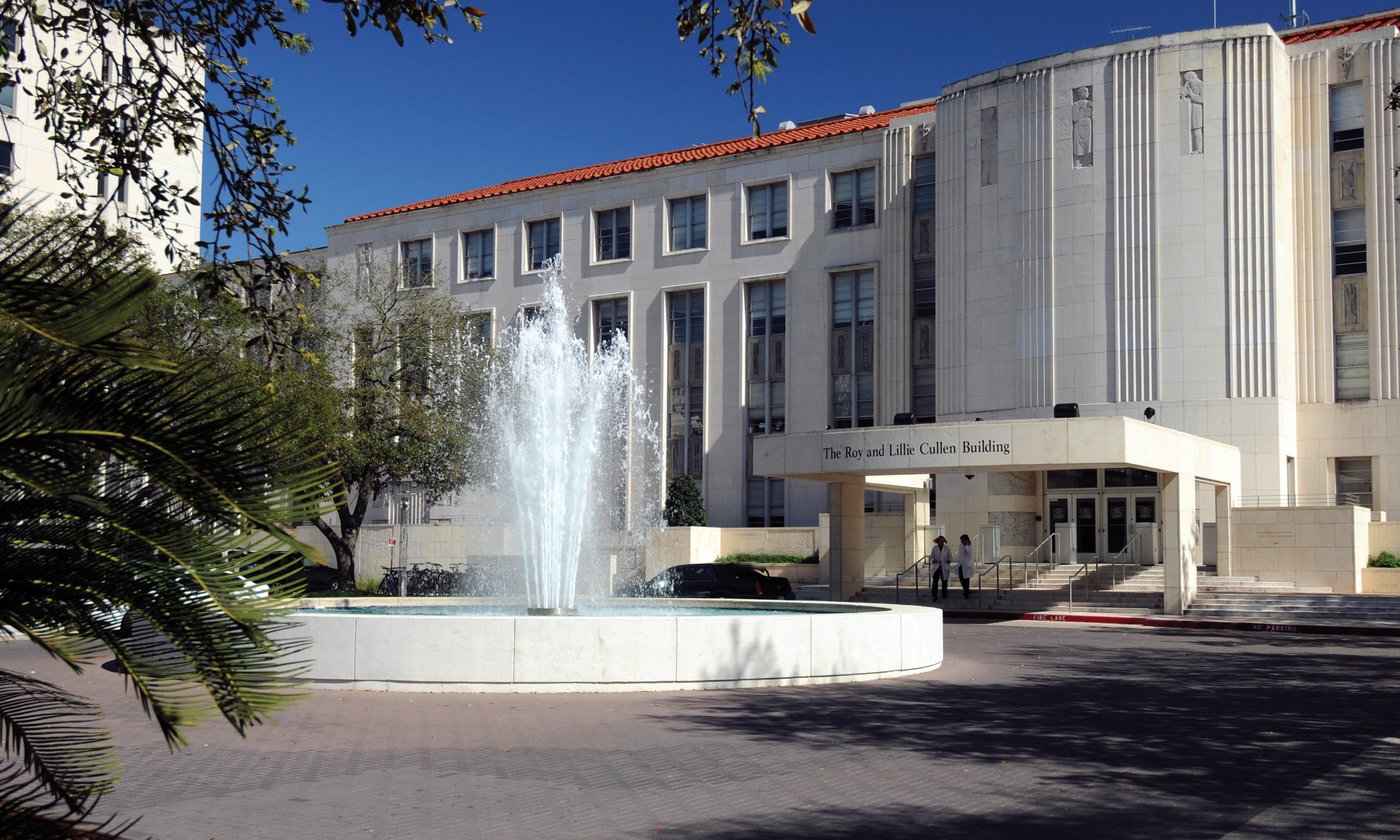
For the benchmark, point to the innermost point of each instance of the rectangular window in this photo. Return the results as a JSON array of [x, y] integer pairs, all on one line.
[[1353, 365], [478, 328], [9, 35], [685, 383], [1349, 241], [853, 198], [544, 242], [688, 223], [414, 357], [1354, 481], [416, 263], [768, 211], [609, 321], [614, 232], [7, 96], [924, 181], [853, 349], [922, 358], [7, 158], [1347, 107], [766, 403], [479, 255]]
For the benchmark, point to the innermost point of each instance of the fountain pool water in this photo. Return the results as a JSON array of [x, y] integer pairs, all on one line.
[[573, 444]]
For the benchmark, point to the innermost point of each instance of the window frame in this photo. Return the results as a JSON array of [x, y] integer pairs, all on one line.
[[690, 225], [595, 219], [746, 217], [1351, 137], [855, 172], [528, 264], [402, 251], [488, 233], [1350, 254]]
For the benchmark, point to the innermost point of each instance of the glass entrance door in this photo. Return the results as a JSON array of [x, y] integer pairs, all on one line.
[[1086, 527]]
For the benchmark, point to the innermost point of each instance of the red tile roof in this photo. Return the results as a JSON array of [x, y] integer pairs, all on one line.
[[1344, 27], [801, 134]]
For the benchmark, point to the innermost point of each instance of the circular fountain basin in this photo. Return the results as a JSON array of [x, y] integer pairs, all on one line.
[[459, 644]]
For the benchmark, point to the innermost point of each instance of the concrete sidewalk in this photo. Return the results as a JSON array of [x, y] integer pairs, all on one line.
[[1035, 729]]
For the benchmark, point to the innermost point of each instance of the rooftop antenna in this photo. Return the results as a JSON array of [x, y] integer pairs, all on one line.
[[1126, 32], [1292, 19]]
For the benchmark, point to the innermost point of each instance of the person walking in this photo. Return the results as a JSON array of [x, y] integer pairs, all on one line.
[[966, 566], [940, 561]]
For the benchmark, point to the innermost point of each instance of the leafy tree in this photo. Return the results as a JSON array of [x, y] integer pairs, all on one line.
[[384, 379], [756, 29], [684, 504], [128, 482]]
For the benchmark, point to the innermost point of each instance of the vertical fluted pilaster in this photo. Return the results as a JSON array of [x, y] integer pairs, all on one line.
[[1382, 64], [1132, 292], [950, 248], [1312, 227], [1035, 337], [1250, 281]]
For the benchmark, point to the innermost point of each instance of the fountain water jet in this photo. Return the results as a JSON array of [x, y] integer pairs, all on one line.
[[567, 427]]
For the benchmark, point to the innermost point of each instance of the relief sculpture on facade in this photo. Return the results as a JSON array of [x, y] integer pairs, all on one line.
[[1345, 58], [1081, 116], [989, 146], [1193, 93]]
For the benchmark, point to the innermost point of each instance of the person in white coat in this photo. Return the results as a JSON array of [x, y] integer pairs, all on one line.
[[966, 566], [940, 562]]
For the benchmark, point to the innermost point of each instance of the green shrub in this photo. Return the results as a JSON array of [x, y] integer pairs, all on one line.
[[1384, 560], [764, 558], [684, 504]]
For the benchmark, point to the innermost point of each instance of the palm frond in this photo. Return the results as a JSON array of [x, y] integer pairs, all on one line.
[[70, 282], [56, 737]]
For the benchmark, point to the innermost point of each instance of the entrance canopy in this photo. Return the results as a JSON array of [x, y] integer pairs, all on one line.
[[904, 456]]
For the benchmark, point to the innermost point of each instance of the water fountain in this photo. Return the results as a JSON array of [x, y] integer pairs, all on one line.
[[567, 435], [566, 428]]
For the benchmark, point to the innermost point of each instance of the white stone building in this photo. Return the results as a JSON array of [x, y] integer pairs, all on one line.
[[30, 161], [1196, 231]]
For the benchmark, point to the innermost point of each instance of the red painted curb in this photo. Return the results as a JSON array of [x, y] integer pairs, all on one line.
[[1183, 623]]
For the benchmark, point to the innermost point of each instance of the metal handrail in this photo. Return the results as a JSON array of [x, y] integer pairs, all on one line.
[[914, 567], [1005, 558], [1083, 569]]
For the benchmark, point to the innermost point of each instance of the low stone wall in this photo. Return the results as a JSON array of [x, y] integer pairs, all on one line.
[[1380, 581], [1305, 546]]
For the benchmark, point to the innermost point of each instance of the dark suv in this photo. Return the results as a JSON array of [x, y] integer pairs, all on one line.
[[716, 580]]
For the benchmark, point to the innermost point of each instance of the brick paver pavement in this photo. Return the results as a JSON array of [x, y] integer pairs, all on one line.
[[1028, 730]]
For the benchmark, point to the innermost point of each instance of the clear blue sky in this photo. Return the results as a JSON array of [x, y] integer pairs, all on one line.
[[553, 84]]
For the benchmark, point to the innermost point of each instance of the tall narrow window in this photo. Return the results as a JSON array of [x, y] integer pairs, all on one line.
[[685, 383], [614, 233], [7, 96], [609, 320], [853, 349], [853, 198], [688, 223], [479, 255], [7, 158], [416, 263], [1347, 106], [1354, 481], [766, 404], [768, 211], [924, 182], [544, 242], [924, 403], [1353, 365], [1349, 241]]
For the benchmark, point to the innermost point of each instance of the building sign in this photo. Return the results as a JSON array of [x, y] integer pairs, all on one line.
[[917, 449]]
